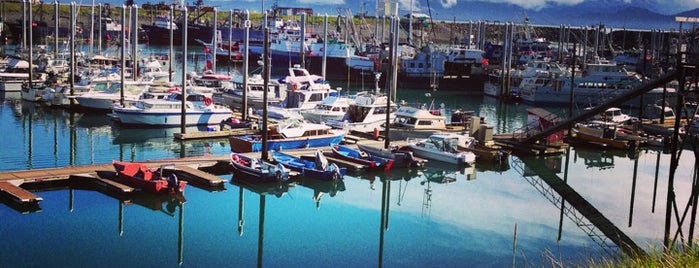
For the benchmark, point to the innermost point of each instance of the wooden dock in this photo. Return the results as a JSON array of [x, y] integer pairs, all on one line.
[[190, 169], [214, 134]]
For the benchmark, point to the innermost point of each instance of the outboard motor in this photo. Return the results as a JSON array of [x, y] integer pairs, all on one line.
[[321, 161], [173, 183]]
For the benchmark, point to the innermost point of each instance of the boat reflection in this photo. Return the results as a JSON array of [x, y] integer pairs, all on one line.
[[149, 135], [436, 171], [321, 188], [600, 159]]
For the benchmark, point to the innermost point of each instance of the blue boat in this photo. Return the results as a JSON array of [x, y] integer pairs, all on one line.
[[294, 134], [257, 170], [370, 162], [315, 167]]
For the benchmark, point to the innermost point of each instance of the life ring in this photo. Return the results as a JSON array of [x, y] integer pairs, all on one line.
[[208, 101], [294, 86]]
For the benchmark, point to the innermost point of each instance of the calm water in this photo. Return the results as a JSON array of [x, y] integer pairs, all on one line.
[[486, 216], [470, 220]]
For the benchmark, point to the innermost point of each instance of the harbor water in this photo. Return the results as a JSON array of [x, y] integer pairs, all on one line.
[[489, 215]]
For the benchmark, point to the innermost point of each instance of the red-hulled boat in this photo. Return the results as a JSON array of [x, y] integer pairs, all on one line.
[[140, 176]]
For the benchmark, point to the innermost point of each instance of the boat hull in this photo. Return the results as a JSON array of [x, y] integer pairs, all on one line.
[[308, 168], [253, 143], [245, 169], [170, 118], [139, 176], [456, 159]]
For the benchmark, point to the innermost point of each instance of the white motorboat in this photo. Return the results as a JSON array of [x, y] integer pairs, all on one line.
[[108, 99], [420, 123], [200, 110], [366, 114], [332, 108], [444, 148]]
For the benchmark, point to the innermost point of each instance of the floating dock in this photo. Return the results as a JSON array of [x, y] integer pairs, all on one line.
[[214, 134]]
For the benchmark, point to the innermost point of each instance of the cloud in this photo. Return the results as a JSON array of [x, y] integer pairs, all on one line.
[[323, 2], [448, 3], [405, 5]]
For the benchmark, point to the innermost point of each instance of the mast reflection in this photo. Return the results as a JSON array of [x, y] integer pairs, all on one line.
[[277, 189]]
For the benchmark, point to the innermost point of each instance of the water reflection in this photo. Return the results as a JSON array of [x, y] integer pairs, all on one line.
[[321, 188], [543, 177], [44, 137], [277, 189], [599, 159]]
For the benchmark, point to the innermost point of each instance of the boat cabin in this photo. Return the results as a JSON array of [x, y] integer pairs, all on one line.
[[416, 118]]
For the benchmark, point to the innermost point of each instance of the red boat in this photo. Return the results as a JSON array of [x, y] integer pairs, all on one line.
[[140, 176]]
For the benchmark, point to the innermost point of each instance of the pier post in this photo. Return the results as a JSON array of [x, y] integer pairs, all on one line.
[[302, 42], [24, 23], [72, 51], [265, 84], [172, 40], [56, 18], [31, 45], [183, 117], [123, 53], [92, 26], [134, 42], [214, 42], [99, 31], [230, 40], [246, 62], [325, 46]]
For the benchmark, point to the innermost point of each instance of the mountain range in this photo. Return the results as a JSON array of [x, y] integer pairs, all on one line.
[[631, 14], [610, 13]]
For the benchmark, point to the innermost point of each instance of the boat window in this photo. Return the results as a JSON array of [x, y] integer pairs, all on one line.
[[424, 123], [316, 97], [411, 121]]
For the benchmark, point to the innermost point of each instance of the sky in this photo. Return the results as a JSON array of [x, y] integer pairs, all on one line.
[[329, 6]]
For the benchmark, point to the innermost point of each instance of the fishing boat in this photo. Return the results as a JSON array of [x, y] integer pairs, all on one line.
[[199, 110], [598, 82], [442, 147], [370, 162], [400, 156], [257, 170], [292, 134], [140, 176], [315, 168]]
